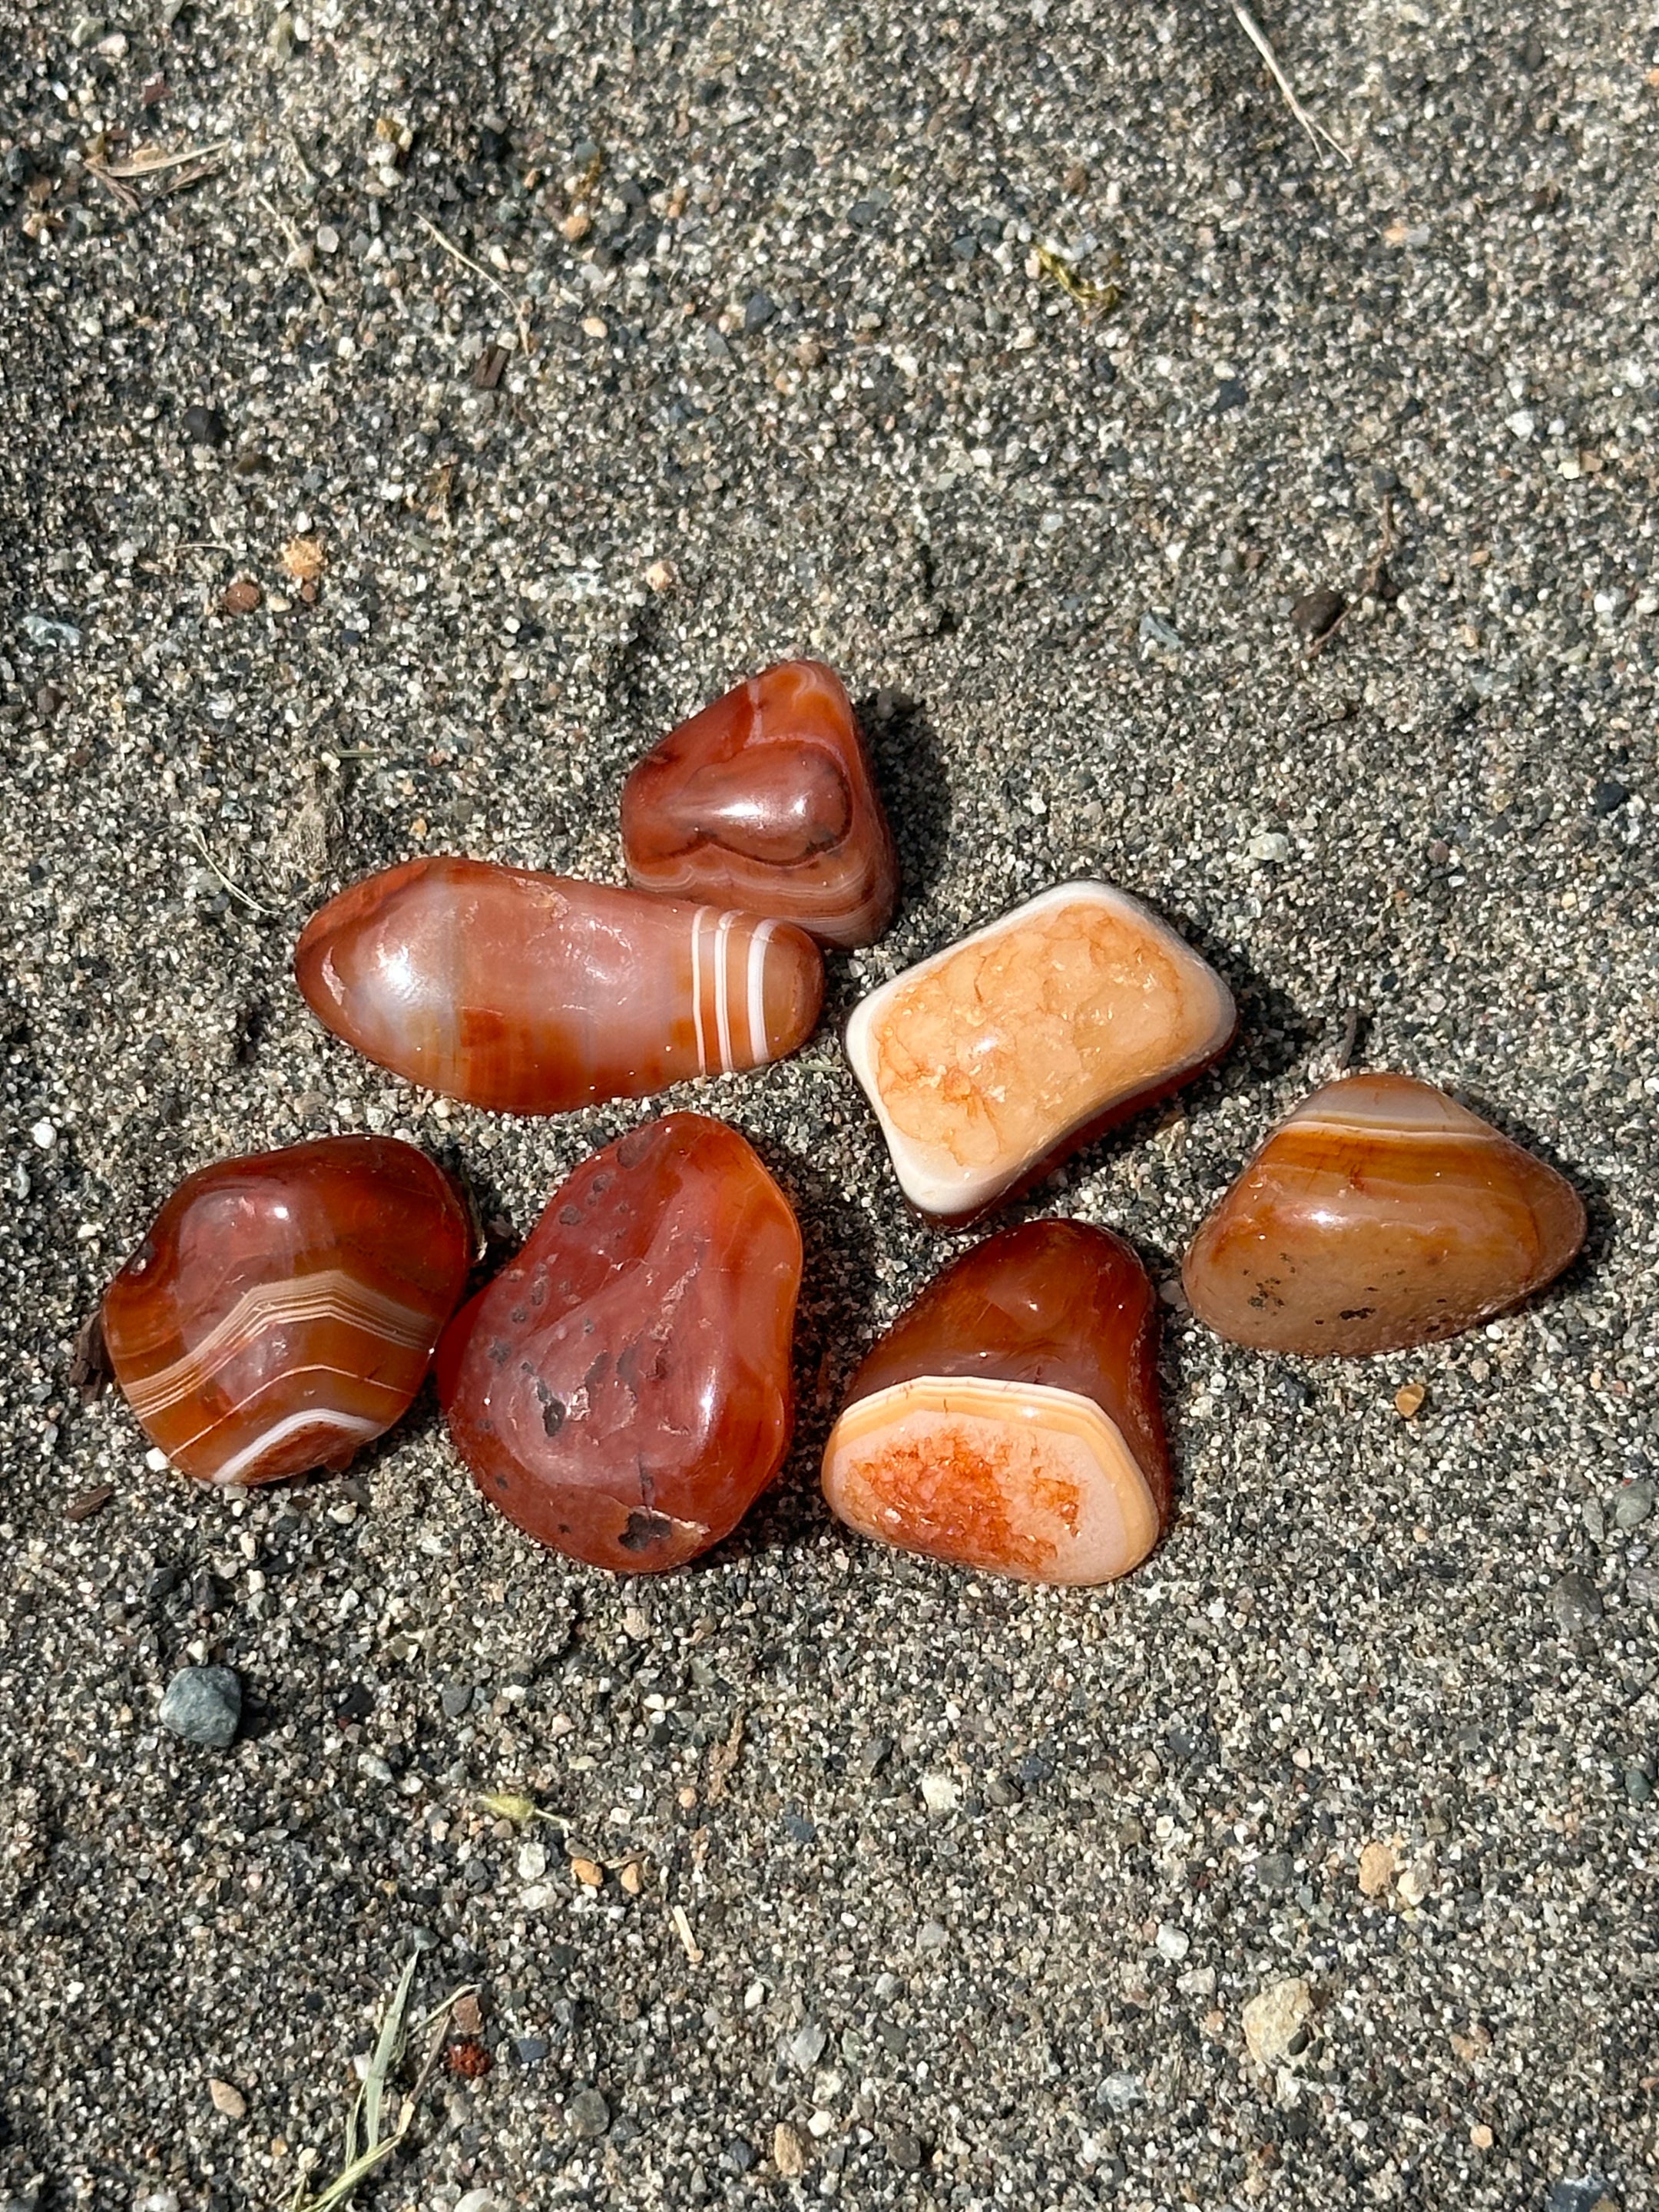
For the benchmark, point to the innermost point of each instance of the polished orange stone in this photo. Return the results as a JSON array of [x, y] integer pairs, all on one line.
[[1381, 1214], [282, 1309], [622, 1389], [533, 994], [991, 1061], [766, 801], [1010, 1418]]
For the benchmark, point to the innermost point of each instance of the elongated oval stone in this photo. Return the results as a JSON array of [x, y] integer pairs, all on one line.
[[623, 1391], [534, 994], [990, 1063], [1381, 1214], [1010, 1418], [282, 1309], [766, 801]]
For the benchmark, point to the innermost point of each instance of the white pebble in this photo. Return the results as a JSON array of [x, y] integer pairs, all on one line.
[[45, 1135]]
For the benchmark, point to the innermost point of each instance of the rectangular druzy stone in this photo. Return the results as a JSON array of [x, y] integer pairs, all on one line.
[[990, 1061]]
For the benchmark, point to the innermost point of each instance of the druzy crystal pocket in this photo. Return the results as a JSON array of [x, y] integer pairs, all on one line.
[[989, 1062], [1010, 1418]]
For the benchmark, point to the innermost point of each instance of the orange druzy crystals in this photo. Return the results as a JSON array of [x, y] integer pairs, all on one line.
[[623, 1391], [766, 801], [1381, 1214], [533, 994], [282, 1309], [1010, 1418], [987, 1063]]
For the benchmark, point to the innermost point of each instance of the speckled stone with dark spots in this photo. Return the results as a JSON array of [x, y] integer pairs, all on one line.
[[622, 1389]]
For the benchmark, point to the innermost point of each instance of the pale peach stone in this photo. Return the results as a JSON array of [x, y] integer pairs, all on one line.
[[1018, 1478], [989, 1062]]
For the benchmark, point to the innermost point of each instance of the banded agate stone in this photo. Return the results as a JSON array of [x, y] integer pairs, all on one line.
[[990, 1063], [766, 800], [1010, 1420], [623, 1391], [532, 993], [1381, 1214], [282, 1309]]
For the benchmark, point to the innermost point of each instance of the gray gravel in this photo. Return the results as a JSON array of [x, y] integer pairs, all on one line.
[[799, 384]]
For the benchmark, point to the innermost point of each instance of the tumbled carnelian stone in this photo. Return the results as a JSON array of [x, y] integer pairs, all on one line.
[[622, 1389], [282, 1309], [1380, 1215], [766, 800], [533, 994], [1010, 1418]]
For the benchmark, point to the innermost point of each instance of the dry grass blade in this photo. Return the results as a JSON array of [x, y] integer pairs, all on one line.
[[245, 898], [520, 320], [388, 2050], [150, 161], [1105, 297], [1318, 136]]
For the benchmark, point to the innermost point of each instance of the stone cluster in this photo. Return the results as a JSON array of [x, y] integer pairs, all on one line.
[[622, 1389]]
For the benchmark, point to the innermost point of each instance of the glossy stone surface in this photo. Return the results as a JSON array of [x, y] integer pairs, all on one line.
[[1382, 1214], [533, 994], [989, 1062], [283, 1309], [622, 1389], [1010, 1420], [766, 801]]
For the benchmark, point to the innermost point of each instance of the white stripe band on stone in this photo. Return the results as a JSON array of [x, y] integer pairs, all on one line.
[[722, 992], [696, 988], [360, 1425], [757, 944]]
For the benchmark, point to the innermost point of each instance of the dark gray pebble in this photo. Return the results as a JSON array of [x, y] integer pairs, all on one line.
[[204, 1705]]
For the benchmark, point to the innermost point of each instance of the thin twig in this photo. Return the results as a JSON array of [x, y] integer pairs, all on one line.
[[296, 247], [520, 320], [1259, 39]]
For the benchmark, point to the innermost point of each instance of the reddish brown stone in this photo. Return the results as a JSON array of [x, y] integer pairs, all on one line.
[[622, 1389], [282, 1309], [1010, 1418], [532, 993], [1381, 1214], [766, 801]]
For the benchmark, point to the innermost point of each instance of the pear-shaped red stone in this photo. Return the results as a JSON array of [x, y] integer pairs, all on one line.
[[1010, 1418], [1380, 1215], [623, 1391], [766, 800], [283, 1307], [533, 994]]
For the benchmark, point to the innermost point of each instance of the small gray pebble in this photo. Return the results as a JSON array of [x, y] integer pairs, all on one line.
[[587, 2116], [757, 312], [1002, 1790], [906, 2150], [456, 1698], [531, 2050], [1641, 1585], [1639, 1784], [1577, 1601], [1595, 1519], [1274, 1870], [806, 2047], [204, 1704], [1633, 1505]]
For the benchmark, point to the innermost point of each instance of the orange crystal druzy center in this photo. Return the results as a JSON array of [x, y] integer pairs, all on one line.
[[1021, 1032]]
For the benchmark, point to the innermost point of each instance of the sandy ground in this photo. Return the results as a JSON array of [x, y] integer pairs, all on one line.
[[798, 381]]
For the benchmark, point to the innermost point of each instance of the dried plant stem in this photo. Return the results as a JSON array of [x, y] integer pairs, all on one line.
[[1318, 136], [520, 320]]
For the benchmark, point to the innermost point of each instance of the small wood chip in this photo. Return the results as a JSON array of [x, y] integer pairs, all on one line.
[[632, 1877], [88, 1503], [576, 226], [1480, 2136], [487, 369], [683, 1929], [304, 559], [788, 2152], [467, 2014], [724, 1757], [242, 597], [227, 2099], [1410, 1400], [661, 576], [588, 1872], [89, 1371]]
